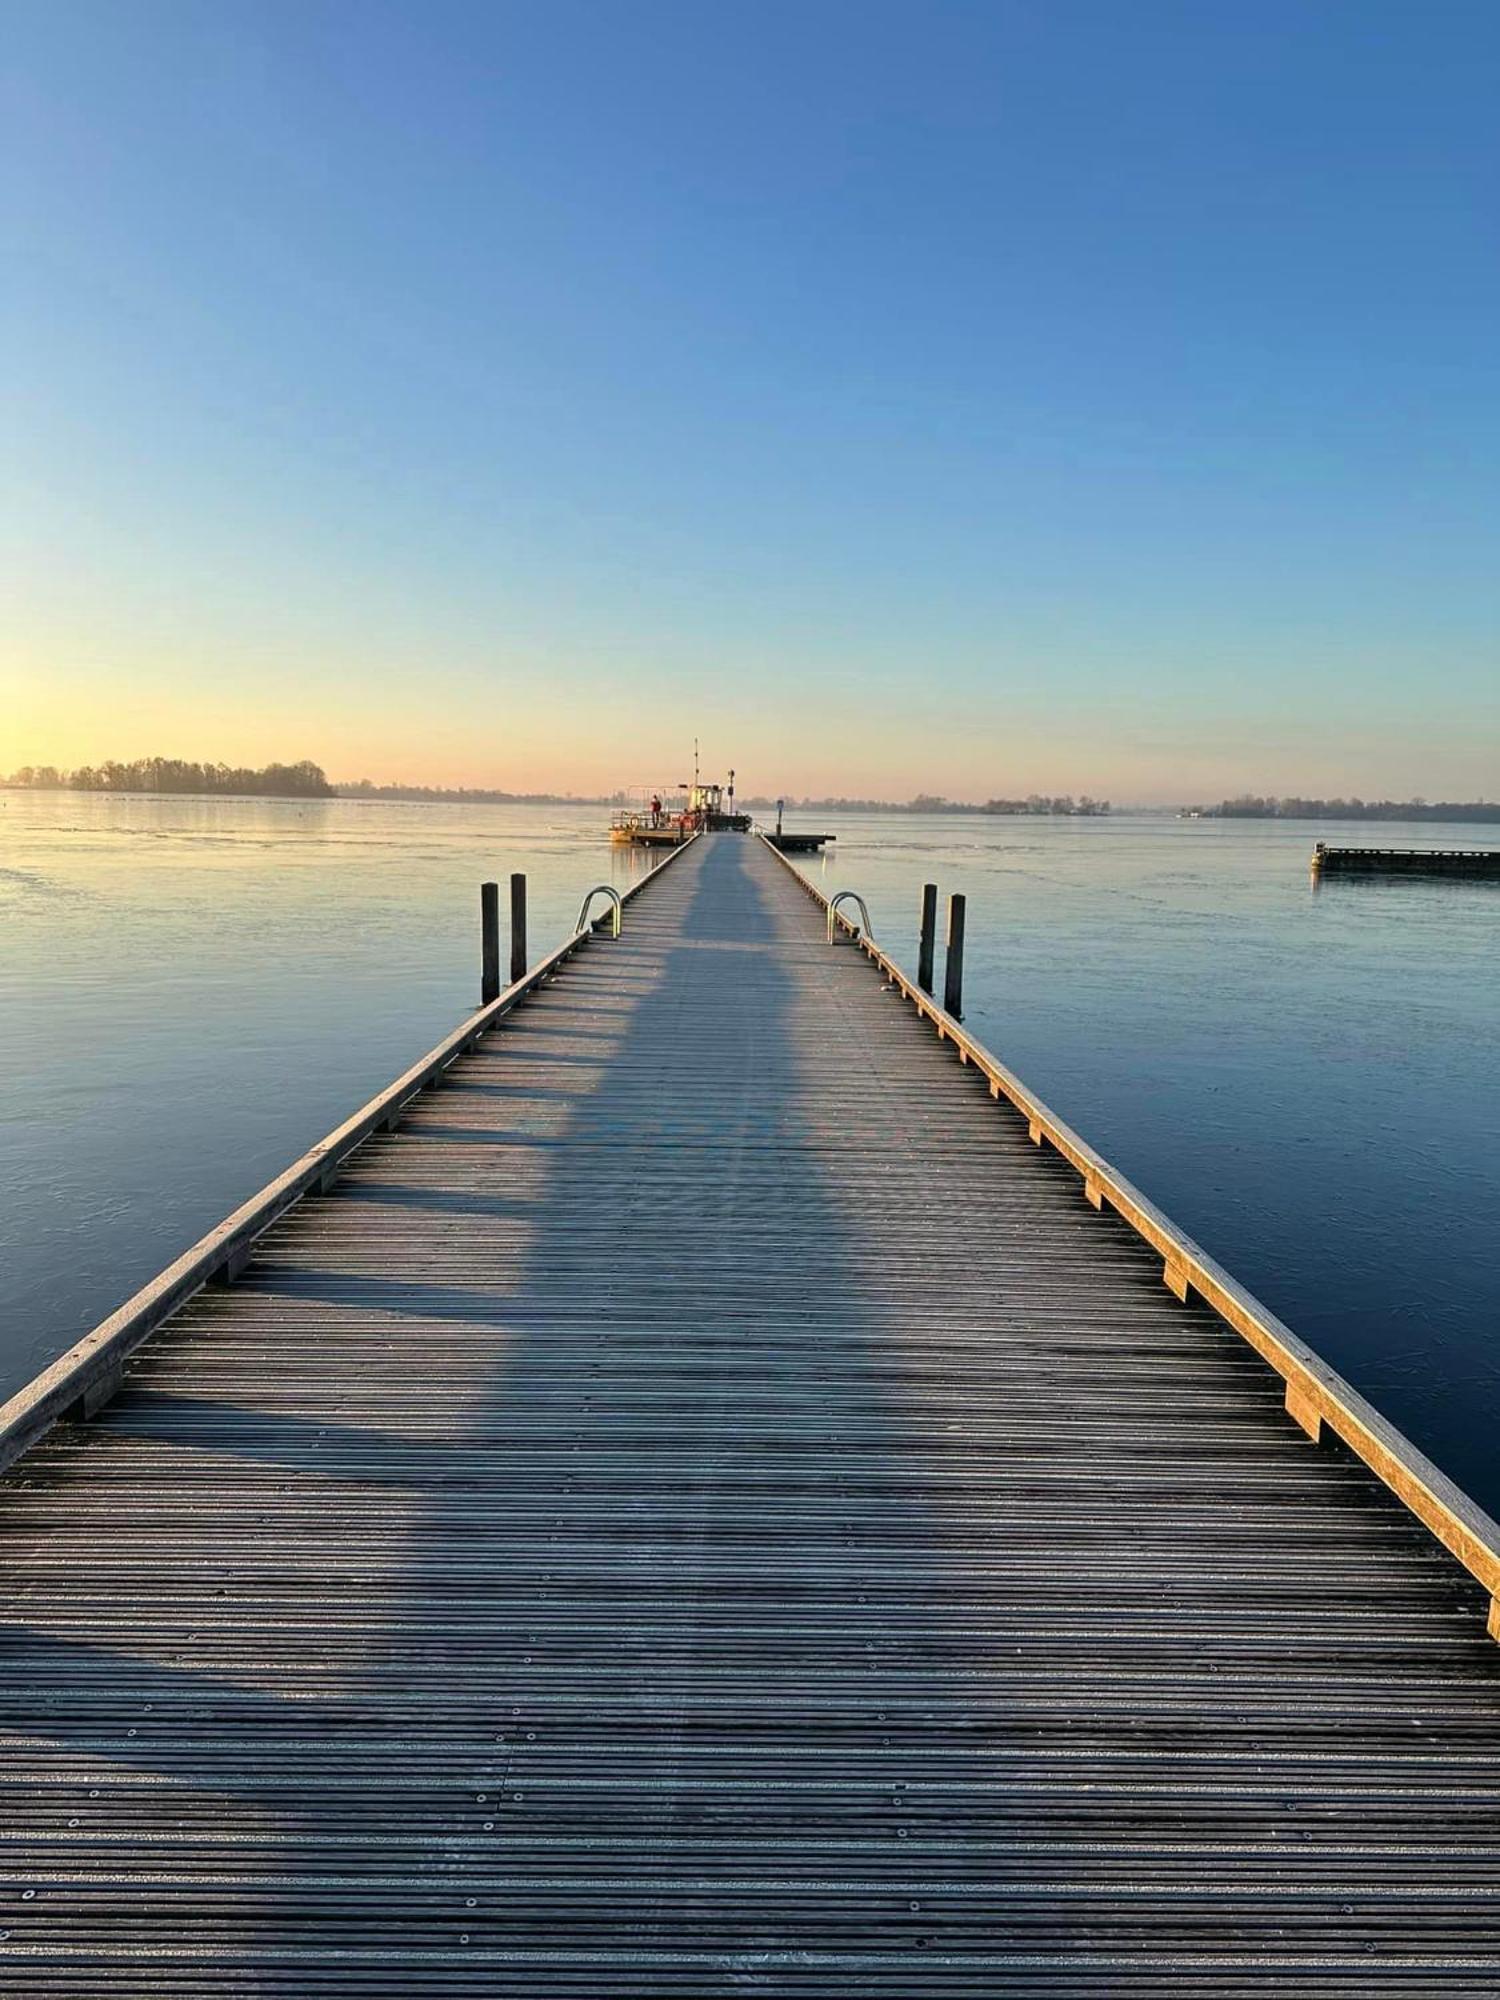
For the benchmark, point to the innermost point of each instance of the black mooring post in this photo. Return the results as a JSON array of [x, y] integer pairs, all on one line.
[[927, 941], [517, 928], [953, 974], [489, 942]]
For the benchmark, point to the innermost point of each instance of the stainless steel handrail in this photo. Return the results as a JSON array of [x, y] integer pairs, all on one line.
[[834, 916], [599, 889]]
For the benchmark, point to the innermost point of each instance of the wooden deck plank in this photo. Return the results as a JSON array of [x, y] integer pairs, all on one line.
[[706, 1507]]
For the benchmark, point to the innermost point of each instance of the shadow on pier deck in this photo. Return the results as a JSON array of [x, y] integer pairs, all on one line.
[[707, 1507]]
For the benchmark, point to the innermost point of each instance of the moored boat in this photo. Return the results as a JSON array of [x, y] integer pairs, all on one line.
[[665, 816]]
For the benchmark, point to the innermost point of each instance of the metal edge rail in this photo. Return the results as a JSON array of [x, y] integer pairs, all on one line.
[[83, 1378], [1316, 1394]]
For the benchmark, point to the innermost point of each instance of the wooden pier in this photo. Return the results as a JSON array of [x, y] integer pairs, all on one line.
[[707, 1487]]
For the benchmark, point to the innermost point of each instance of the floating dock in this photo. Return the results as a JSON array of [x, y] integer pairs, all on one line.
[[632, 831], [798, 843], [1472, 863], [707, 1487], [788, 841]]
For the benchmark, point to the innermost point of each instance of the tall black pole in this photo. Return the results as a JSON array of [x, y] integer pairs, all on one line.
[[927, 938], [489, 942], [953, 972], [517, 928]]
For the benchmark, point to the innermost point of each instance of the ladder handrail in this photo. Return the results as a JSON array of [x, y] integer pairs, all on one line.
[[616, 906], [853, 896]]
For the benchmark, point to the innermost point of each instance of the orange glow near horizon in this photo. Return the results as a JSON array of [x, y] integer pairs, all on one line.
[[548, 726]]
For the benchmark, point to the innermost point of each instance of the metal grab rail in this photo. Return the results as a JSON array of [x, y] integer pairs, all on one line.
[[834, 919], [599, 889]]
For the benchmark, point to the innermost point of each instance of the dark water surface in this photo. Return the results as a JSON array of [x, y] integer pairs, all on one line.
[[192, 991]]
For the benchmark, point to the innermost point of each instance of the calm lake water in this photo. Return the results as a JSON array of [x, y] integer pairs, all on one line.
[[192, 991]]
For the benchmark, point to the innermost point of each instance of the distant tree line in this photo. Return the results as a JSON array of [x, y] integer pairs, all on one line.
[[1037, 804], [924, 802], [365, 788], [304, 780], [1247, 806], [930, 802]]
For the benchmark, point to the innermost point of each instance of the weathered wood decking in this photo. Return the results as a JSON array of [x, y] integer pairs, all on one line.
[[707, 1507]]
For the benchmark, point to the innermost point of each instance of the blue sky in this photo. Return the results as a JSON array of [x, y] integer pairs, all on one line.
[[958, 398]]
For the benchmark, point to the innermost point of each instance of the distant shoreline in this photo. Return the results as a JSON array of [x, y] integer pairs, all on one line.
[[334, 796], [1480, 814], [1447, 812]]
